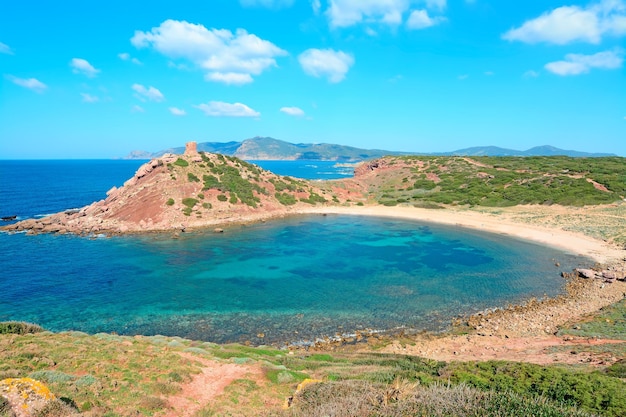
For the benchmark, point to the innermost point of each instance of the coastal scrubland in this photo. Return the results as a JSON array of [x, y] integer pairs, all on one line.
[[112, 375]]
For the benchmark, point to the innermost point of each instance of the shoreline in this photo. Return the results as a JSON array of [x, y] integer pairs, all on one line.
[[575, 243]]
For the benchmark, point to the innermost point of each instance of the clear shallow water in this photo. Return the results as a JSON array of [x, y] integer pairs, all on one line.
[[292, 280]]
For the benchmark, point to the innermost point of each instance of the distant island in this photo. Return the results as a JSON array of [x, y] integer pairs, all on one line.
[[266, 148]]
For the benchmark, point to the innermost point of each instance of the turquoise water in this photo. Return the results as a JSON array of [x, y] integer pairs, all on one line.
[[293, 280]]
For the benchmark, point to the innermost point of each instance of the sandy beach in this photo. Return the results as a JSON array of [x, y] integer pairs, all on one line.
[[502, 223], [519, 333]]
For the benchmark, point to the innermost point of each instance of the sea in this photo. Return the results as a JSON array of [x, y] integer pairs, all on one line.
[[288, 281]]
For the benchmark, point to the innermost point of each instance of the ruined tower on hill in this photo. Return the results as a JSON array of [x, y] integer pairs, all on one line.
[[191, 148]]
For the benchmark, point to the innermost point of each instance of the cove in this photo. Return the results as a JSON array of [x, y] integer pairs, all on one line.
[[286, 281]]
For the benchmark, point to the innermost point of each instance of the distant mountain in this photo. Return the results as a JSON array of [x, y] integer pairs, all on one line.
[[545, 150], [266, 148]]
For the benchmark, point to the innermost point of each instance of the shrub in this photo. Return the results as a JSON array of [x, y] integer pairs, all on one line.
[[19, 327], [170, 202], [192, 178], [190, 202], [181, 162], [285, 199], [222, 197]]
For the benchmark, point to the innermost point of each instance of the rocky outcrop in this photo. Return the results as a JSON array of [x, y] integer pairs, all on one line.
[[177, 192], [608, 274]]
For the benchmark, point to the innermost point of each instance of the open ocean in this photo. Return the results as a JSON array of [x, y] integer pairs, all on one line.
[[291, 280]]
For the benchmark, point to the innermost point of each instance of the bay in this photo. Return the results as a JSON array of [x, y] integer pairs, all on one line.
[[292, 280]]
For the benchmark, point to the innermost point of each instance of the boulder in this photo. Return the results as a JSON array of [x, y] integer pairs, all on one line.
[[25, 395], [586, 273]]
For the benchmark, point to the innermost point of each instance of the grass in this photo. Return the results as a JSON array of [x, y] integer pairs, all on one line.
[[609, 323], [118, 376], [503, 181]]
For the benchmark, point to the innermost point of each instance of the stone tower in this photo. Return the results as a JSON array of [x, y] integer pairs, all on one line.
[[191, 148]]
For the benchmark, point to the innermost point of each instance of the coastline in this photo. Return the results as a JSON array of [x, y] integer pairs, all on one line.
[[503, 224]]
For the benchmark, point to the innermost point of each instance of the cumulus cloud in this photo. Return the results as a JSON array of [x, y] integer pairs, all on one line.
[[342, 13], [30, 83], [222, 109], [177, 112], [5, 49], [88, 98], [293, 111], [270, 4], [436, 4], [82, 66], [125, 56], [328, 63], [218, 51], [419, 19], [149, 93], [234, 78], [575, 64], [573, 24]]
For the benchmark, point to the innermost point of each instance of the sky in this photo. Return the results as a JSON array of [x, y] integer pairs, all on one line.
[[96, 79]]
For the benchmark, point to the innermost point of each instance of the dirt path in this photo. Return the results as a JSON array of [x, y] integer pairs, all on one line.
[[207, 385]]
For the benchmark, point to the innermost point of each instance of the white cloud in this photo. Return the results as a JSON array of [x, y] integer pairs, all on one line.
[[270, 4], [88, 98], [137, 109], [463, 77], [5, 49], [575, 64], [573, 23], [371, 32], [343, 13], [81, 66], [222, 109], [531, 74], [30, 83], [235, 78], [326, 63], [489, 73], [436, 4], [149, 93], [177, 112], [125, 56], [419, 19], [316, 5], [218, 51], [293, 111]]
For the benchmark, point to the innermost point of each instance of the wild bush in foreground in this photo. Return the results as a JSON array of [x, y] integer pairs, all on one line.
[[362, 398], [19, 327]]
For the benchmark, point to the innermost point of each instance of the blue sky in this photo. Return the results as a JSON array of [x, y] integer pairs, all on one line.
[[83, 79]]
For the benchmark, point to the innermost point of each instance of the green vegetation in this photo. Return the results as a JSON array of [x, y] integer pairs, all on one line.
[[190, 202], [115, 375], [508, 181], [222, 197], [181, 163], [18, 327], [313, 199], [170, 202], [192, 177], [609, 323], [285, 199]]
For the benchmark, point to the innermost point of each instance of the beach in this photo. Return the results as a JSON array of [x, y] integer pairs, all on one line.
[[502, 223]]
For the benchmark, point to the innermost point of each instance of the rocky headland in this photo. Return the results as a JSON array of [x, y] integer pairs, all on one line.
[[181, 192]]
